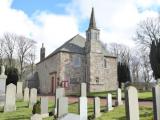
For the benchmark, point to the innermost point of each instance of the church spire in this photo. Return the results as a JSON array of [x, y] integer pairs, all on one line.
[[92, 24]]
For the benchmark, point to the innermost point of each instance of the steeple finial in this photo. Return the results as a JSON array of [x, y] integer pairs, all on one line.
[[92, 23]]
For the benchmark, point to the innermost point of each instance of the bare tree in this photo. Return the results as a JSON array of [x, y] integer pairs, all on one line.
[[1, 51], [24, 47], [9, 46], [147, 31]]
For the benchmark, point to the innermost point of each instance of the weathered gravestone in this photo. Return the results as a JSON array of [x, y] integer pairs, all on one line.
[[19, 90], [131, 103], [26, 94], [83, 90], [156, 102], [36, 117], [119, 97], [10, 104], [44, 107], [33, 97], [83, 108], [59, 93], [97, 107], [2, 87], [62, 107], [109, 102]]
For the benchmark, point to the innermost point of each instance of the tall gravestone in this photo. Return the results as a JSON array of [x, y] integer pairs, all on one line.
[[10, 104], [83, 90], [33, 97], [2, 87], [59, 93], [26, 94], [44, 107], [19, 90], [119, 97], [109, 102], [156, 102], [83, 108], [62, 107], [97, 107], [131, 103]]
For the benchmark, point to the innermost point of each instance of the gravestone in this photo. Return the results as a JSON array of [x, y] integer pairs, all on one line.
[[156, 102], [59, 93], [44, 107], [36, 117], [70, 116], [33, 97], [83, 90], [131, 103], [2, 87], [62, 107], [10, 104], [119, 97], [109, 102], [26, 94], [97, 107], [83, 108], [19, 90]]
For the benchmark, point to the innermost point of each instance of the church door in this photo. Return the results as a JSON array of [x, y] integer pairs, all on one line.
[[53, 83]]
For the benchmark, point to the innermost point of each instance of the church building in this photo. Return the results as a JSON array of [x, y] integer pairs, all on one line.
[[78, 60]]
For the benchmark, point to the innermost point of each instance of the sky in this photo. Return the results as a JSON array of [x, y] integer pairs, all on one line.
[[53, 22]]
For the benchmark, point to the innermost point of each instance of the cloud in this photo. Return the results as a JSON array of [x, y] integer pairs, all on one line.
[[51, 29], [117, 19]]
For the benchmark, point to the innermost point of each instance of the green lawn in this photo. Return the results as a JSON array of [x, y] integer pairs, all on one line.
[[147, 95], [24, 113]]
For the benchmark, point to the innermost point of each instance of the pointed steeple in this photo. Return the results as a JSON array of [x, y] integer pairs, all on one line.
[[92, 24]]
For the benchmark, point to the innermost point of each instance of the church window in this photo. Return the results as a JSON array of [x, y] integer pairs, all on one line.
[[76, 61], [97, 79], [105, 63]]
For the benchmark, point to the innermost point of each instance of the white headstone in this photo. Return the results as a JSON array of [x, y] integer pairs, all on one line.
[[59, 93], [26, 94], [10, 104], [44, 107], [83, 90], [109, 102], [33, 97], [2, 87], [62, 107], [97, 107], [19, 90], [36, 117], [83, 108], [131, 103], [119, 97]]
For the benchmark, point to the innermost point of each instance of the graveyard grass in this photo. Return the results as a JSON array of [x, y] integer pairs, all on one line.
[[24, 113], [142, 95]]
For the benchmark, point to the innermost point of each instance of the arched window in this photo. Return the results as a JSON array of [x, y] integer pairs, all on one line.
[[105, 63]]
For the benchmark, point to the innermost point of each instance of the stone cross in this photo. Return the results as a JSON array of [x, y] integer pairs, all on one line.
[[97, 107], [19, 90], [83, 90], [10, 104], [156, 102], [131, 103], [2, 87], [83, 108], [119, 97], [33, 97], [26, 94], [59, 93], [62, 107], [36, 117], [109, 102], [44, 107]]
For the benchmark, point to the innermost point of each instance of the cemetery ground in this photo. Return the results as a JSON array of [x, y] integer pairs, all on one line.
[[118, 113]]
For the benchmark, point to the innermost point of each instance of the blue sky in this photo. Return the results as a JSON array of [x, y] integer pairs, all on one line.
[[53, 22]]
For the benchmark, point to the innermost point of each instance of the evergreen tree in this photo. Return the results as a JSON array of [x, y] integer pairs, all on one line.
[[123, 73], [155, 58]]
